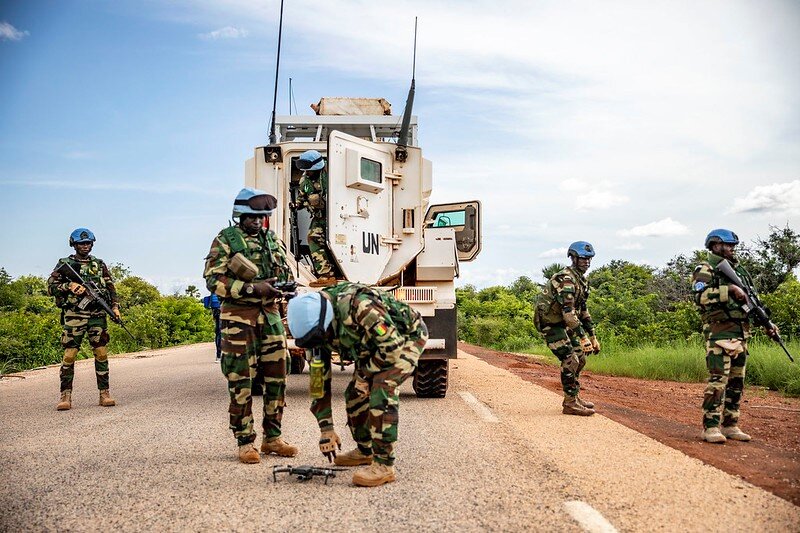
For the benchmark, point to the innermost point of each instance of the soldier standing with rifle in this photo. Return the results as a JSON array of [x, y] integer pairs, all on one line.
[[726, 311], [311, 195], [83, 289]]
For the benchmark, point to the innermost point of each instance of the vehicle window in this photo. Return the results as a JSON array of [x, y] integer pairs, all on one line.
[[449, 219], [371, 171]]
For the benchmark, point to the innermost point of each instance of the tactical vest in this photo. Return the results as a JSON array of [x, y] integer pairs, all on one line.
[[402, 315], [90, 270], [548, 309], [320, 186], [722, 311], [268, 267]]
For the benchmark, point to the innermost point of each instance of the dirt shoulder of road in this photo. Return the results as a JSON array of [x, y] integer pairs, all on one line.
[[670, 413]]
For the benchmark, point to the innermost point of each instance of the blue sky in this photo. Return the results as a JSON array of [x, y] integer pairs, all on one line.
[[636, 126]]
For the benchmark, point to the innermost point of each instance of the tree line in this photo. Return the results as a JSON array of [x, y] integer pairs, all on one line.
[[633, 304]]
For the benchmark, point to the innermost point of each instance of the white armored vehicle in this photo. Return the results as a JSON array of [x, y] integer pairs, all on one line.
[[381, 230]]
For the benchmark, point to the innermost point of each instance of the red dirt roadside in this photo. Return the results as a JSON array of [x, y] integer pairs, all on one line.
[[670, 413]]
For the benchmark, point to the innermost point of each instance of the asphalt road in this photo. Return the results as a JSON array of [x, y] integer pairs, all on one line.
[[495, 454]]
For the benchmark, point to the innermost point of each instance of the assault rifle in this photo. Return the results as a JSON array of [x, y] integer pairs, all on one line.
[[288, 288], [92, 295], [752, 305], [305, 472], [295, 225]]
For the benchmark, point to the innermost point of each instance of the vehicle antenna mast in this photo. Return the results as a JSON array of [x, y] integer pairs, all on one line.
[[272, 137], [401, 154]]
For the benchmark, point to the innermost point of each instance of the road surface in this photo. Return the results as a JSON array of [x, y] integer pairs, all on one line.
[[495, 454]]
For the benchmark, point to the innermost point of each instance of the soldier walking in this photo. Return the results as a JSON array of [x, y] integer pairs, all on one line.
[[564, 320], [243, 261], [78, 320], [726, 328], [312, 192], [384, 338]]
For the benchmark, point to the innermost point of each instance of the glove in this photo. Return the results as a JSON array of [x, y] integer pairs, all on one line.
[[115, 310], [586, 346], [76, 288], [736, 293], [264, 289], [595, 344], [328, 441]]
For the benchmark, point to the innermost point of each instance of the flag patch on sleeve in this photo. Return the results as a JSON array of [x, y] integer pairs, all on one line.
[[381, 329]]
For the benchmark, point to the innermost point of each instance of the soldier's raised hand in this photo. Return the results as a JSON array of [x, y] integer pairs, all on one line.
[[328, 442], [76, 288]]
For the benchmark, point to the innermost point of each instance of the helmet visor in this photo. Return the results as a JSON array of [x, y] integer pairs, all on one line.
[[305, 164], [262, 202]]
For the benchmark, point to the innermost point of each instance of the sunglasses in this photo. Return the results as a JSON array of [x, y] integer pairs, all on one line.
[[262, 202]]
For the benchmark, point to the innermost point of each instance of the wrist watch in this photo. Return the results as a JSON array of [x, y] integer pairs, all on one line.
[[249, 289]]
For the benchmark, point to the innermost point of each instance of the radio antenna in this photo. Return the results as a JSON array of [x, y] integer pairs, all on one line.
[[401, 154], [272, 137]]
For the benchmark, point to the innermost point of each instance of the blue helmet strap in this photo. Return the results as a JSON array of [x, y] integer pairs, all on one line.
[[316, 336]]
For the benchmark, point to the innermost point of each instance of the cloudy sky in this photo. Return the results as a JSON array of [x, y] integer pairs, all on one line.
[[638, 126]]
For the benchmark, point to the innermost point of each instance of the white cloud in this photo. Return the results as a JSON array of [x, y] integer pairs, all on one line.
[[661, 228], [629, 246], [553, 253], [775, 197], [228, 32], [10, 33], [593, 197]]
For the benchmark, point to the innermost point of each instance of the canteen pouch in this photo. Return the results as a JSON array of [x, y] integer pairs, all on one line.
[[243, 268]]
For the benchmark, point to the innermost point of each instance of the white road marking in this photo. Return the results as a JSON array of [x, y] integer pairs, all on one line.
[[588, 517], [479, 407]]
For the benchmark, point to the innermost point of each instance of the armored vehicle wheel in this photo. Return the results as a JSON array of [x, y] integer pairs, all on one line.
[[430, 380], [298, 364]]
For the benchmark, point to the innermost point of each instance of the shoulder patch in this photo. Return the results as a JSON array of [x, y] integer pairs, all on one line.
[[699, 286], [380, 329]]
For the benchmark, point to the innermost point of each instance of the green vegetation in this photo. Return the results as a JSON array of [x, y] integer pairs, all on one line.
[[30, 328], [645, 319]]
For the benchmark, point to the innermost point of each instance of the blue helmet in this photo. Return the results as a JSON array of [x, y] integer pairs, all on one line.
[[580, 249], [721, 235], [310, 160], [81, 235], [304, 313], [252, 201]]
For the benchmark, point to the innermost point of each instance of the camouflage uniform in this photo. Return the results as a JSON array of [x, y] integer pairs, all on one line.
[[384, 338], [311, 195], [562, 317], [726, 329], [252, 331], [77, 322]]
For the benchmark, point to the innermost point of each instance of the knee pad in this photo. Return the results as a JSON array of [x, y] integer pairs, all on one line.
[[69, 356], [101, 354]]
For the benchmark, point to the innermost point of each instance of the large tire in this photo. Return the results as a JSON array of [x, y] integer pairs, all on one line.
[[298, 364], [430, 380]]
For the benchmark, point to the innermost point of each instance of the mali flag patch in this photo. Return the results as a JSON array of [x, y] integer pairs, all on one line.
[[381, 329]]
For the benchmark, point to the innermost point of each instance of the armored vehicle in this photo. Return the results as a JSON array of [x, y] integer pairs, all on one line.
[[381, 229]]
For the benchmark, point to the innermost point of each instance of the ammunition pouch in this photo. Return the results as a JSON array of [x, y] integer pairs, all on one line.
[[315, 200], [243, 268], [547, 313]]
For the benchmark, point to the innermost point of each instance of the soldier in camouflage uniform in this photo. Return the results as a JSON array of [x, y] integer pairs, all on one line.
[[562, 317], [726, 328], [243, 260], [384, 338], [89, 321], [311, 195]]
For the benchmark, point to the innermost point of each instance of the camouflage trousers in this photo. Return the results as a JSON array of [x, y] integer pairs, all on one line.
[[373, 417], [76, 325], [320, 256], [251, 338], [569, 352], [726, 360]]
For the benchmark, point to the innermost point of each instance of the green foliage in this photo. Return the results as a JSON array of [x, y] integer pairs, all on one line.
[[785, 306], [30, 324]]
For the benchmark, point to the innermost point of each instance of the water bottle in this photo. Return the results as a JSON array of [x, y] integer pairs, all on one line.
[[316, 370]]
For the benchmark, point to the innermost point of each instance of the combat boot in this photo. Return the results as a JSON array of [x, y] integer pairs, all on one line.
[[373, 475], [734, 433], [588, 405], [278, 447], [714, 435], [66, 401], [106, 400], [248, 454], [352, 458], [571, 406]]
